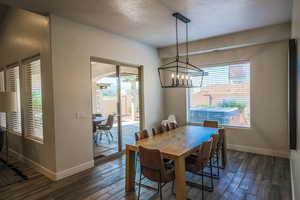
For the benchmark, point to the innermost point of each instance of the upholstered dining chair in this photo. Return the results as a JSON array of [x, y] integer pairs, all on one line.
[[141, 135], [218, 146], [153, 168], [158, 130], [211, 124], [197, 162]]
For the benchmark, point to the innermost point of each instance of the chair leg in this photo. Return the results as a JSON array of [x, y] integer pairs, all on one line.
[[112, 137], [160, 192], [139, 193], [101, 135], [211, 175], [107, 136], [218, 167], [173, 186]]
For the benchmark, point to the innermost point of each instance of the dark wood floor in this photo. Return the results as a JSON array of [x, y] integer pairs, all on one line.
[[247, 176]]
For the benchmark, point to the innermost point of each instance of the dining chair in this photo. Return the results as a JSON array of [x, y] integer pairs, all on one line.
[[218, 146], [106, 128], [196, 163], [153, 168], [211, 124], [141, 135], [158, 130]]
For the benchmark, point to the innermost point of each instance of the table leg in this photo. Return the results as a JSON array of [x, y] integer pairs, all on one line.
[[130, 171], [180, 178]]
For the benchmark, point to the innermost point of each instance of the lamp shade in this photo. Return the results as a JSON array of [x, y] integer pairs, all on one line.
[[8, 102]]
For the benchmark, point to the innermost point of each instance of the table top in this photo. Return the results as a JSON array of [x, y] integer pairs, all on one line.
[[99, 119], [178, 142]]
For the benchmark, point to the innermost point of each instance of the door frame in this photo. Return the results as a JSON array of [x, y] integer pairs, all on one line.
[[119, 64]]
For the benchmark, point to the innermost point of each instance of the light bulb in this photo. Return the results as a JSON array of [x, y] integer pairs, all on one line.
[[182, 76], [173, 75]]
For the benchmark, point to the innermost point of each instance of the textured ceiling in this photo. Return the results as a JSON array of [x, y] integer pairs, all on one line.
[[150, 21]]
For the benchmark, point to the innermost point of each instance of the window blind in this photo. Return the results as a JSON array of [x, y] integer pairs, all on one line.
[[13, 85], [34, 108], [2, 89], [223, 97]]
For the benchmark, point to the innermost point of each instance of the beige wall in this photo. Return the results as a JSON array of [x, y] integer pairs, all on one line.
[[269, 115], [24, 34], [234, 40], [72, 46], [295, 154]]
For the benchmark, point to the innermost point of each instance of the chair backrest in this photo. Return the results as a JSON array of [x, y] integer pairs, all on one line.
[[211, 124], [158, 130], [152, 164], [203, 154], [141, 135], [110, 120]]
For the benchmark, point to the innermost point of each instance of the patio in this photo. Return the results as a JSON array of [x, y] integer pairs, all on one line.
[[106, 146]]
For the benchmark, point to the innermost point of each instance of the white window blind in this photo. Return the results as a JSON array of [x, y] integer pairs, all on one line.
[[13, 85], [2, 89], [34, 108], [223, 97]]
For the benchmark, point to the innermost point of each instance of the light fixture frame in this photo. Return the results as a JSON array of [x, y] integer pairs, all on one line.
[[179, 68]]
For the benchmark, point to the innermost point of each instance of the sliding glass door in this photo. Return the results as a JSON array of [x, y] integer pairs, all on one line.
[[130, 104], [116, 106]]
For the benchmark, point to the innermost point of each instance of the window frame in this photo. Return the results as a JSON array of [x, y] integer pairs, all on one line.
[[188, 95], [10, 66], [3, 70], [24, 64]]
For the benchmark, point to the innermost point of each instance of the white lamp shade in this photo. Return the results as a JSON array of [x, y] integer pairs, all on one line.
[[8, 102]]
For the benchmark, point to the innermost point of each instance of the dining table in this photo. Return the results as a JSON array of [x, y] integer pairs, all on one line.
[[176, 145]]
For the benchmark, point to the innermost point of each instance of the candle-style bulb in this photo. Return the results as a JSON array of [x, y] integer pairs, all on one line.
[[177, 79], [182, 79], [187, 80], [173, 82]]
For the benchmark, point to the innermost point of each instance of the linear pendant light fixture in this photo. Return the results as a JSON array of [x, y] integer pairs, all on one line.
[[178, 73]]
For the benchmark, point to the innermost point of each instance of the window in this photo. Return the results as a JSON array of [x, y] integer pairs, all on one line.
[[13, 85], [33, 96], [2, 89], [224, 96]]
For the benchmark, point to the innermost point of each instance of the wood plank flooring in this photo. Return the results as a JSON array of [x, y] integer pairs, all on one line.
[[247, 177]]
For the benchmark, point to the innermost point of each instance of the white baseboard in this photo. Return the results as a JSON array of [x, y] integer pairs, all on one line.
[[38, 167], [74, 170], [51, 174], [292, 179], [256, 150]]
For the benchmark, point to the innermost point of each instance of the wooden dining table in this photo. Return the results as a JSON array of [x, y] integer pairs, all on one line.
[[176, 145]]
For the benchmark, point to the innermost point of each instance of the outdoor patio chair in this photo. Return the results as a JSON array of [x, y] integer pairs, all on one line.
[[106, 128]]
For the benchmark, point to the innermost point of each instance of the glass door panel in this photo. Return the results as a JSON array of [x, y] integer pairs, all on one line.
[[105, 118], [130, 104]]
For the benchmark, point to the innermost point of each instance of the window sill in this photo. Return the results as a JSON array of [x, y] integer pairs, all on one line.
[[226, 126], [35, 139]]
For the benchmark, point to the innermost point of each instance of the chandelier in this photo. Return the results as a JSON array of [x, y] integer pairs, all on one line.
[[180, 73]]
